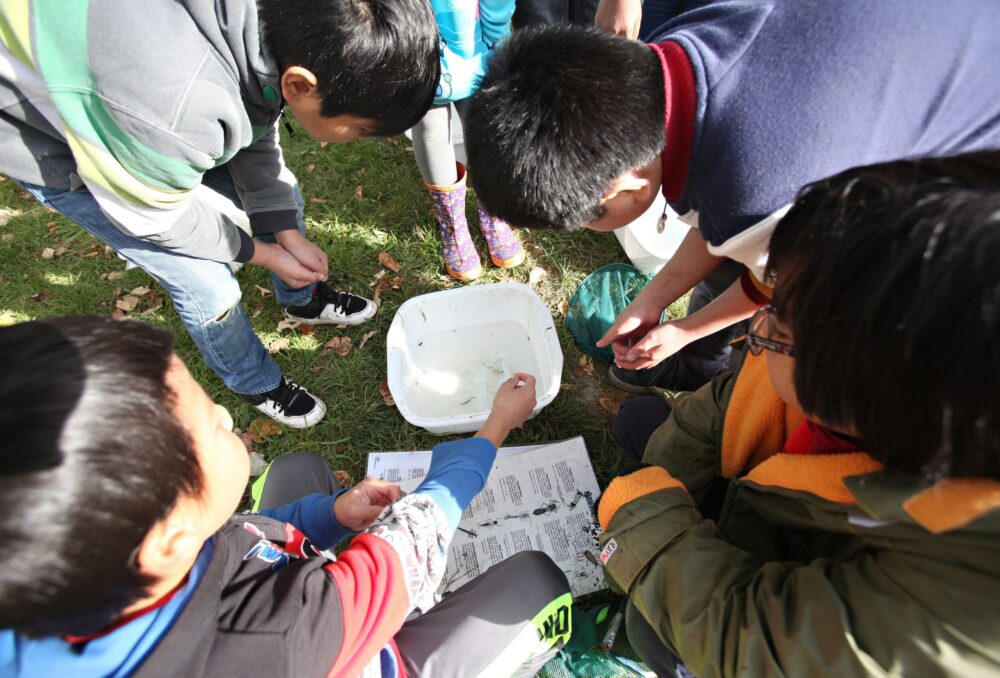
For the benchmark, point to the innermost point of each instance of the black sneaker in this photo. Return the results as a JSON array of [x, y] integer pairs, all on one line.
[[330, 307], [669, 375], [289, 404]]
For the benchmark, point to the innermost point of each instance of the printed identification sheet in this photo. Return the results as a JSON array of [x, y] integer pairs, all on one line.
[[539, 497]]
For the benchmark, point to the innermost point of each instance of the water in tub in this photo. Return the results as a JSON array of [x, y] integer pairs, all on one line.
[[457, 371]]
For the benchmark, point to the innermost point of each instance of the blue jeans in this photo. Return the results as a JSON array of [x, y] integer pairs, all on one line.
[[206, 294]]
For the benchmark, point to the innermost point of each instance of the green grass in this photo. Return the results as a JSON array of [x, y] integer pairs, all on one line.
[[391, 213]]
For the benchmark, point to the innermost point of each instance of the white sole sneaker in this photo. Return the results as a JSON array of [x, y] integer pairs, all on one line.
[[328, 316], [308, 420]]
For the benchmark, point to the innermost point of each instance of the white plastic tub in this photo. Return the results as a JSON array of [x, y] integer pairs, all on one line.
[[447, 353], [647, 247]]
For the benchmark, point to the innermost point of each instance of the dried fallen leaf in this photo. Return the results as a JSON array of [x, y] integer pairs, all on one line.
[[395, 141], [317, 201], [306, 330], [564, 306], [339, 345], [264, 292], [114, 275], [535, 276], [409, 148], [311, 167], [278, 345], [92, 253], [386, 260], [324, 144], [127, 303], [587, 363], [48, 253], [248, 439], [343, 478], [117, 314], [359, 193], [263, 427], [286, 325], [257, 310], [383, 388], [365, 338], [140, 291], [609, 403], [6, 236], [61, 250], [567, 387], [155, 305]]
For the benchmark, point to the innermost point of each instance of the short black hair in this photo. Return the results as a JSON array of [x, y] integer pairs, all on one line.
[[91, 458], [560, 114], [889, 278], [375, 59]]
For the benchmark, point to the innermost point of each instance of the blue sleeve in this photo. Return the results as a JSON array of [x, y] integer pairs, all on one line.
[[458, 472], [313, 516], [494, 18]]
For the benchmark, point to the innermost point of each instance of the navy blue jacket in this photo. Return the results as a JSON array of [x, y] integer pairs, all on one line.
[[792, 91]]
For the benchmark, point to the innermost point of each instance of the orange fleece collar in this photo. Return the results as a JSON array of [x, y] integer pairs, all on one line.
[[757, 425]]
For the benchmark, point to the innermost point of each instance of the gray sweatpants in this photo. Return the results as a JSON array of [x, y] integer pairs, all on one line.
[[514, 614], [434, 147]]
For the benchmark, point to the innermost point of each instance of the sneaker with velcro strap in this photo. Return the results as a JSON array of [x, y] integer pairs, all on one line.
[[331, 307], [289, 404]]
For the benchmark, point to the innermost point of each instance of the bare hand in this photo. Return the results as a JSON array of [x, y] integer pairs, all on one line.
[[512, 405], [515, 400], [305, 251], [657, 345], [620, 17], [276, 258], [357, 508], [631, 325]]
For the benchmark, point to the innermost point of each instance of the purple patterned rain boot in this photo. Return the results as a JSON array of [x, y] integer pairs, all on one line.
[[505, 248], [460, 257]]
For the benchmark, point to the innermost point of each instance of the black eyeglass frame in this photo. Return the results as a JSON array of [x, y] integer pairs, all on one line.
[[757, 342]]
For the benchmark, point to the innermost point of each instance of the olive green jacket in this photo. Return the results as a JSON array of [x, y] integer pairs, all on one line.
[[819, 564]]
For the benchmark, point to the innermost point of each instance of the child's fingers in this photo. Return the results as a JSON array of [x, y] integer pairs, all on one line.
[[381, 492]]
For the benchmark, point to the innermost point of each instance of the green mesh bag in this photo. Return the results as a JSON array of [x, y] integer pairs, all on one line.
[[598, 301]]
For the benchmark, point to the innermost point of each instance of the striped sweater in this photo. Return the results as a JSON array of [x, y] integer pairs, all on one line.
[[135, 101]]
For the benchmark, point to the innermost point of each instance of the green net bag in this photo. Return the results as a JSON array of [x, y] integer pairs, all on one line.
[[598, 301]]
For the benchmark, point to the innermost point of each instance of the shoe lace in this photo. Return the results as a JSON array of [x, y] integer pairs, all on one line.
[[285, 395], [339, 300]]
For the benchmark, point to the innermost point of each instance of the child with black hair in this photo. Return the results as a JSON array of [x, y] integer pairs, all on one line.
[[834, 507], [120, 114], [121, 555], [731, 109]]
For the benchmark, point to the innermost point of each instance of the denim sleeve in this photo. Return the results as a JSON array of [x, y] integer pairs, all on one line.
[[313, 516]]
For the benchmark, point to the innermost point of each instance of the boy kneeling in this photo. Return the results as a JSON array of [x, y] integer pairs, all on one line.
[[121, 554], [862, 537]]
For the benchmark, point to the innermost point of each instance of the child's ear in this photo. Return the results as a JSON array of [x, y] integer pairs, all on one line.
[[172, 544], [632, 184], [297, 82]]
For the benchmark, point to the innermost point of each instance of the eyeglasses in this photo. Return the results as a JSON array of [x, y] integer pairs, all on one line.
[[762, 327]]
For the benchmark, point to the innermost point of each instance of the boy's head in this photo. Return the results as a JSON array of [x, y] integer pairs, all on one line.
[[888, 284], [353, 68], [566, 129], [115, 466]]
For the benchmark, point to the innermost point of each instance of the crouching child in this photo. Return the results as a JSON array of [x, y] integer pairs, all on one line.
[[118, 481], [833, 508]]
